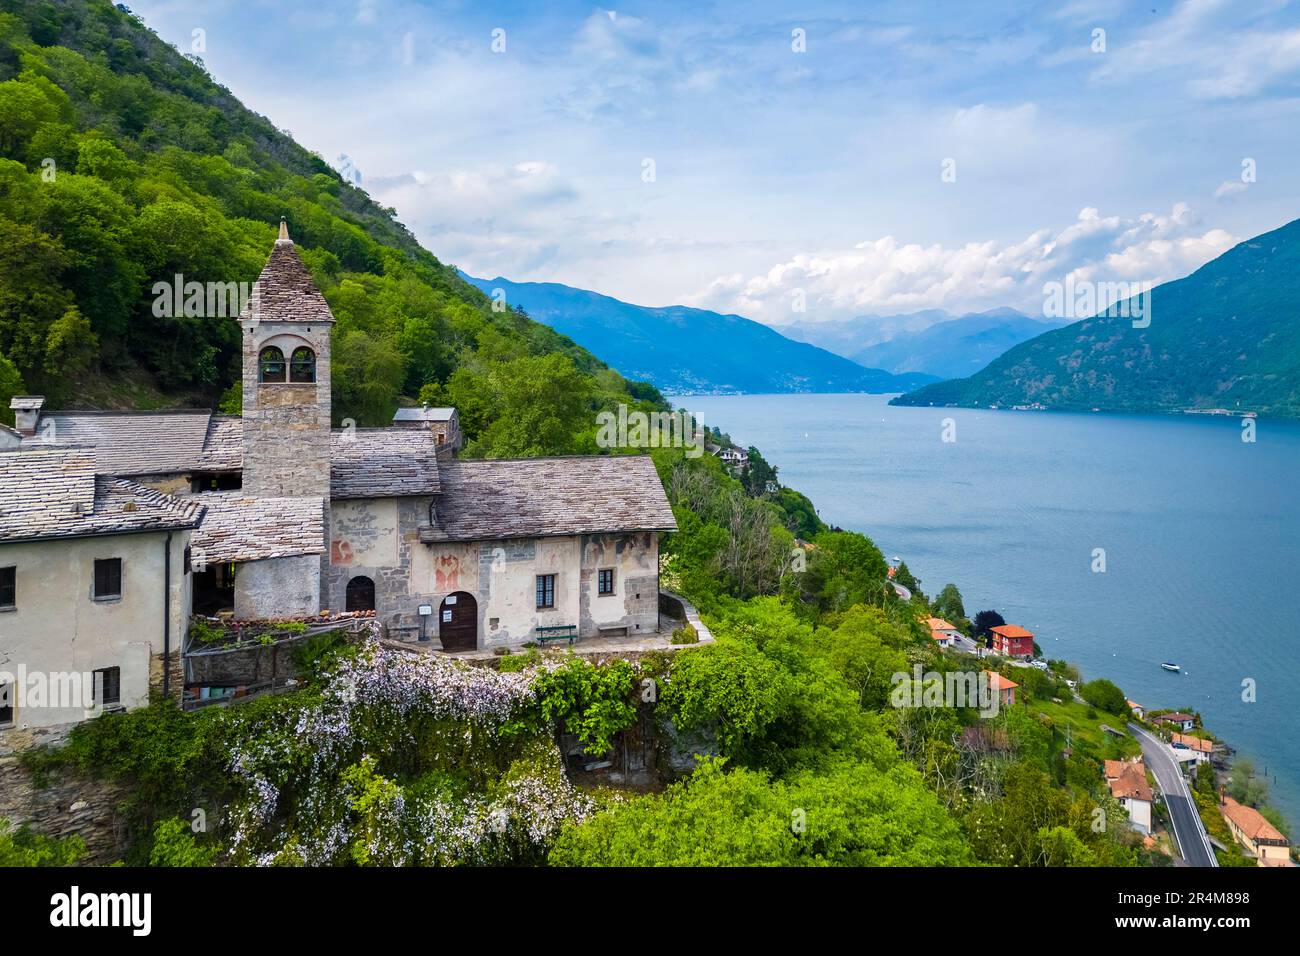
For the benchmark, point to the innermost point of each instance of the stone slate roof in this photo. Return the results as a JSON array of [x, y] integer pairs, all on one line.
[[285, 291], [134, 443], [238, 527], [547, 497], [383, 463], [223, 446], [52, 492], [423, 414]]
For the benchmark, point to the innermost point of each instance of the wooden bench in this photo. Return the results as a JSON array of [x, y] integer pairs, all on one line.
[[557, 632]]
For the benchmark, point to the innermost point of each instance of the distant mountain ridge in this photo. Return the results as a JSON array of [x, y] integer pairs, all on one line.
[[933, 341], [682, 350], [1225, 337]]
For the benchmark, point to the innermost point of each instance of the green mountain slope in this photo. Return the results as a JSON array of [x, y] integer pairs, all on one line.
[[123, 164], [1227, 336]]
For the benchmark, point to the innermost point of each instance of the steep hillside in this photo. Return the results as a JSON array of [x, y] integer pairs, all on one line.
[[680, 349], [1227, 336], [123, 164]]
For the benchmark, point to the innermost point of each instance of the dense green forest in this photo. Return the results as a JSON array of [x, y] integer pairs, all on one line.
[[122, 164], [806, 757]]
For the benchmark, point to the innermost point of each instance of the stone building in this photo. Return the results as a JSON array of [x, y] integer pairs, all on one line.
[[274, 514]]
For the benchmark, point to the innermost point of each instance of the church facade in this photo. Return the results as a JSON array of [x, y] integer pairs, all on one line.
[[274, 515]]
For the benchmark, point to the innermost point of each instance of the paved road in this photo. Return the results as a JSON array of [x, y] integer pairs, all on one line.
[[1193, 843]]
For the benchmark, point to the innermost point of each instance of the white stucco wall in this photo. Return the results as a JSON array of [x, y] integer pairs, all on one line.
[[57, 628]]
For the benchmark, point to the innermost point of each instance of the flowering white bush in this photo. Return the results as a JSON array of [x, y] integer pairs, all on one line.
[[313, 796]]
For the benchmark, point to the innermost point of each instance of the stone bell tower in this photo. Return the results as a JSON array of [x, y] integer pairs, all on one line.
[[286, 328]]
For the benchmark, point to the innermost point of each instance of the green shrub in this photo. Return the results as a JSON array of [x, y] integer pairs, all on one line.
[[686, 634], [26, 847]]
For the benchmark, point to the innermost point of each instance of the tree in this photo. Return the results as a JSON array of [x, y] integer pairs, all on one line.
[[850, 815], [949, 605], [11, 384], [757, 474], [1105, 695], [983, 625], [70, 346], [903, 575]]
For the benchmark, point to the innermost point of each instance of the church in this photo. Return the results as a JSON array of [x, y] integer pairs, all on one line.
[[116, 527]]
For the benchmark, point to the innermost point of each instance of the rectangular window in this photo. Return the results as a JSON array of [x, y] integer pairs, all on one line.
[[545, 591], [108, 578], [605, 581], [8, 587], [7, 701], [108, 686]]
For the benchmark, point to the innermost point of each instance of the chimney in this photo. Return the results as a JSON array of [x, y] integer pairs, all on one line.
[[27, 412]]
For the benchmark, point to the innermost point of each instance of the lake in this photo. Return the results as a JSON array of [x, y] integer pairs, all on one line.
[[1199, 531]]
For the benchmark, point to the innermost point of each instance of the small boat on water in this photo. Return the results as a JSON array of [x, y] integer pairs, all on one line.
[[1170, 667]]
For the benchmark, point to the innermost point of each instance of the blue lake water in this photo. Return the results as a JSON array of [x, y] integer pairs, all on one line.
[[1199, 528]]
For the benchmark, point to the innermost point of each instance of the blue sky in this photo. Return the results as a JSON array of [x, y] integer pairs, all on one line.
[[781, 174]]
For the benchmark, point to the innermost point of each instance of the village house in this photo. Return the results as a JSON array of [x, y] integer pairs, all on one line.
[[1136, 709], [943, 633], [1184, 722], [733, 458], [1003, 687], [1128, 785], [1256, 835], [273, 514], [1012, 640], [93, 590], [1193, 750]]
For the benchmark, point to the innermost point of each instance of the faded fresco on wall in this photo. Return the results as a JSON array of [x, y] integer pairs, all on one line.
[[363, 533]]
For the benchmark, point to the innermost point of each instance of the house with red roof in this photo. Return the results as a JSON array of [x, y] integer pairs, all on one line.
[[1193, 750], [943, 633], [1012, 640], [1003, 687], [1128, 785], [1256, 835]]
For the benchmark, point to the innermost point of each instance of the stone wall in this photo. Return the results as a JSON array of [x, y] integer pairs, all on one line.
[[278, 588], [69, 805]]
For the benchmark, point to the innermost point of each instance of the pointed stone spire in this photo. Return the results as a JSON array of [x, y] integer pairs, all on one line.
[[284, 232]]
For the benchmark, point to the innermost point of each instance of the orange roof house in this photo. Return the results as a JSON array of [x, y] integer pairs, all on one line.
[[1004, 687], [1260, 838], [942, 631], [1128, 784], [1198, 744], [1012, 640]]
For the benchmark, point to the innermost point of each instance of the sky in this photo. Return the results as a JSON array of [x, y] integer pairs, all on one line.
[[806, 162]]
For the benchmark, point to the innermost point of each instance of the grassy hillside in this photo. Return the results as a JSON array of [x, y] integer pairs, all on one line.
[[1226, 336], [122, 163]]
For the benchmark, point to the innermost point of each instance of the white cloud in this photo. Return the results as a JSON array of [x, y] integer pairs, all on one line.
[[1230, 187], [887, 275]]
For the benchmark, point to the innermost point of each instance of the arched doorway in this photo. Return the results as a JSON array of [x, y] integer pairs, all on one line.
[[361, 594], [458, 622]]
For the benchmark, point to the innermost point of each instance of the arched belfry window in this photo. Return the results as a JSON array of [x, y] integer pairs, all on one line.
[[361, 594], [271, 364], [302, 365]]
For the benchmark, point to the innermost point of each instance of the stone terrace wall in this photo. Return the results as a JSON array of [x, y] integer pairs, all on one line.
[[69, 805]]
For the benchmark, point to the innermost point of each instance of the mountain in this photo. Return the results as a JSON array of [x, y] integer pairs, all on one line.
[[955, 347], [1224, 337], [123, 164], [848, 336], [933, 341], [683, 350]]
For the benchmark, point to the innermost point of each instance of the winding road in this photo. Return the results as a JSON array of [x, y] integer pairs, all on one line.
[[1189, 832]]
